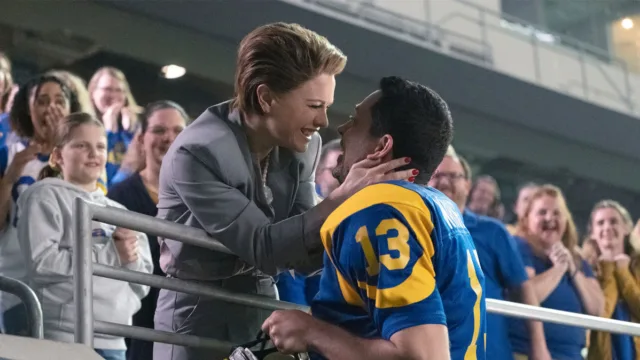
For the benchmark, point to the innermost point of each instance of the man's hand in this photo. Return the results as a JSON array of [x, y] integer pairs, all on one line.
[[289, 330], [126, 242], [134, 158]]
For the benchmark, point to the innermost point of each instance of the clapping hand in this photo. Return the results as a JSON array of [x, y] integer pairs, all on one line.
[[126, 242], [560, 256]]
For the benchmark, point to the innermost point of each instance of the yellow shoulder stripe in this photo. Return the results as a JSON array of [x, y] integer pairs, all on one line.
[[421, 283]]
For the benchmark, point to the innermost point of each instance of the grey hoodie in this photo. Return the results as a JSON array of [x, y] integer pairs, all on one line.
[[45, 232]]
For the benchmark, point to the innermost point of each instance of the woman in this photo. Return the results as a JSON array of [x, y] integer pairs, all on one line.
[[161, 122], [524, 196], [118, 110], [46, 234], [244, 172], [79, 88], [39, 107], [610, 225], [561, 278]]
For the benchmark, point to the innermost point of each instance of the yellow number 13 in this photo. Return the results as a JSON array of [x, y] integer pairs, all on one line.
[[398, 243]]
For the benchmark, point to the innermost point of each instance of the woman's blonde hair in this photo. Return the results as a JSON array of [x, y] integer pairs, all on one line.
[[64, 135], [116, 73], [570, 235], [626, 218], [79, 87]]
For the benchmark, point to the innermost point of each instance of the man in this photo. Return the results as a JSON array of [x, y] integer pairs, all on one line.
[[484, 197], [499, 257], [520, 207], [401, 278], [325, 182]]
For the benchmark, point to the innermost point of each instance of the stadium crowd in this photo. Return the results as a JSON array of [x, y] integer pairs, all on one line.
[[63, 137]]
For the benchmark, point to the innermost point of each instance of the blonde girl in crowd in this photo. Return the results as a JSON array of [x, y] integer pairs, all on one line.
[[547, 239], [610, 226], [45, 231], [38, 109], [117, 109]]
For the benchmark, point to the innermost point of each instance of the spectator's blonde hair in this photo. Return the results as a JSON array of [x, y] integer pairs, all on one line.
[[570, 236], [116, 73], [283, 57], [626, 218], [79, 87]]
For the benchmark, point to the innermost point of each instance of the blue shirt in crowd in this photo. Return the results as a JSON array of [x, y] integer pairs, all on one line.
[[5, 128], [117, 144], [503, 269], [564, 342], [622, 346]]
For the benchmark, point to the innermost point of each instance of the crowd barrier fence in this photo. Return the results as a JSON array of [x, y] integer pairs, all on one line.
[[84, 269], [30, 300]]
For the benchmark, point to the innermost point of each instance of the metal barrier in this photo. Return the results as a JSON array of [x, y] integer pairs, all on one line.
[[84, 268], [30, 301]]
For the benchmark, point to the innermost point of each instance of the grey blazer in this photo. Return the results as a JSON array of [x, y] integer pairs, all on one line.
[[208, 180]]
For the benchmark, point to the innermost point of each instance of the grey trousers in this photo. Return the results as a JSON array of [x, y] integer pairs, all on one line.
[[193, 315]]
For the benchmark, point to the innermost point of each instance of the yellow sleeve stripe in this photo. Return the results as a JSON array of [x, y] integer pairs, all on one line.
[[350, 295], [421, 283], [470, 354]]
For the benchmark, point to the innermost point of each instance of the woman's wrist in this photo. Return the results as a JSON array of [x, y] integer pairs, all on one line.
[[337, 196]]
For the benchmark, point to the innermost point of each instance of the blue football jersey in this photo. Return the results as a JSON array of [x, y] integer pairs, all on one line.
[[398, 255]]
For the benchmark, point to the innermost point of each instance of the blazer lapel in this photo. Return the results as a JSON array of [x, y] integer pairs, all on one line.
[[282, 182], [257, 190]]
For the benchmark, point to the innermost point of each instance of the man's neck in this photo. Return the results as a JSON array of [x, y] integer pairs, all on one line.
[[260, 141], [151, 174]]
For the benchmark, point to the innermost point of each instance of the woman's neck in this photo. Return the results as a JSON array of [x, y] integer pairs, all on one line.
[[260, 141], [538, 248]]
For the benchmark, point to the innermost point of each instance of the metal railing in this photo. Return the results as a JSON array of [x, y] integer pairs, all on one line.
[[596, 70], [84, 268], [29, 300]]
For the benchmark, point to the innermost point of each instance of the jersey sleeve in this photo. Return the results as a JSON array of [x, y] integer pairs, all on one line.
[[390, 265], [509, 258]]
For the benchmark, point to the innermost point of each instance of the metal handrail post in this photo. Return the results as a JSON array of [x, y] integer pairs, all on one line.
[[30, 301], [523, 311], [83, 274], [194, 288], [136, 332]]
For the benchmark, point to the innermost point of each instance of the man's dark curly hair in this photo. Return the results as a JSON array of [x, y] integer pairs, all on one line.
[[20, 115], [419, 121]]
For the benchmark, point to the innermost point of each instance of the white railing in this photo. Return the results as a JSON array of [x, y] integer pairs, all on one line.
[[505, 44], [84, 268]]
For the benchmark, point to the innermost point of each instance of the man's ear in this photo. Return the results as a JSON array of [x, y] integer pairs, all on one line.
[[265, 98], [383, 149]]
